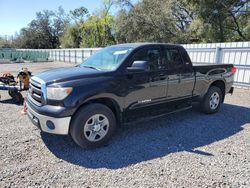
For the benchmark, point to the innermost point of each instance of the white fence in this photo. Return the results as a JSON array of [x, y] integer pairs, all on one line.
[[71, 55], [237, 53]]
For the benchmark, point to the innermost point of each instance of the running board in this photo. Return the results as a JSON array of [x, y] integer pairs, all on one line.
[[157, 116]]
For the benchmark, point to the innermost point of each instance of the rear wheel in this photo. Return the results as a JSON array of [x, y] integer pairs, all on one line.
[[212, 100], [93, 125]]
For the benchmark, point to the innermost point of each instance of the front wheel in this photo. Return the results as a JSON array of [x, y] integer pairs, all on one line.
[[93, 125], [212, 100]]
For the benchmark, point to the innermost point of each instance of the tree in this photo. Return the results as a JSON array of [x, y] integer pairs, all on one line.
[[97, 31], [90, 31], [221, 20], [6, 42], [159, 21], [44, 31], [72, 37], [60, 20], [79, 14], [184, 21], [174, 21]]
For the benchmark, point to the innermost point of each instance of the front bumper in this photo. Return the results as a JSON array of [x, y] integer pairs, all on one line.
[[49, 124]]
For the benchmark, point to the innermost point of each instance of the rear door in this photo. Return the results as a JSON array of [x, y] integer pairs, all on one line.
[[181, 76]]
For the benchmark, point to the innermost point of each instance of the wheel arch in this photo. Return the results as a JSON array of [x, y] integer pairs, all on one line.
[[220, 84], [110, 103]]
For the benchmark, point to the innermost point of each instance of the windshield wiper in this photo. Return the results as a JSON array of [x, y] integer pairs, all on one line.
[[90, 67]]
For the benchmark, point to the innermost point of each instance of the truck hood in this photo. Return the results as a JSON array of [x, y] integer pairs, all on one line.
[[67, 73]]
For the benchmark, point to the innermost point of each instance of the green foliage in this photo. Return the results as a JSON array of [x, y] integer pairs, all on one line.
[[221, 20], [97, 31], [79, 14], [159, 21], [5, 43], [90, 31], [44, 31], [71, 37], [173, 21]]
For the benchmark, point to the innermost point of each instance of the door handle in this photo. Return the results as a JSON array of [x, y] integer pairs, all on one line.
[[162, 77]]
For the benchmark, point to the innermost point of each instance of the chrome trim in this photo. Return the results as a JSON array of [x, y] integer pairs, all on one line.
[[37, 96], [33, 100], [61, 124], [38, 85], [43, 86]]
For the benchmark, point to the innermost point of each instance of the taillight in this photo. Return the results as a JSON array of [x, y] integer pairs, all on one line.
[[233, 69]]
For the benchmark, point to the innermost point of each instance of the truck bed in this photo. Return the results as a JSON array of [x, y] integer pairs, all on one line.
[[204, 68]]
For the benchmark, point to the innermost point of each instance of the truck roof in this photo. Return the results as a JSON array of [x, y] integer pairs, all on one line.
[[135, 45]]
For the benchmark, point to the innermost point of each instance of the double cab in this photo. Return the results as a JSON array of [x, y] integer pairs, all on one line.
[[124, 83]]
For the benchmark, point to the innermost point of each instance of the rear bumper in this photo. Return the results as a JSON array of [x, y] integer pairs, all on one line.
[[49, 124]]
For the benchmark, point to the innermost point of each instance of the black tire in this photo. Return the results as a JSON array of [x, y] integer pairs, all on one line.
[[208, 105], [16, 96], [83, 117]]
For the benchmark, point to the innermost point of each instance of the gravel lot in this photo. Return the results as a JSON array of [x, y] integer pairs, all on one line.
[[187, 149]]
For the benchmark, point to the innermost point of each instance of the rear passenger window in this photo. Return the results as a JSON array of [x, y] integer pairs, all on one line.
[[172, 59]]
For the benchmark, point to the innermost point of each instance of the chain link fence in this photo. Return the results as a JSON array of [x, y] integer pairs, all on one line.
[[21, 55]]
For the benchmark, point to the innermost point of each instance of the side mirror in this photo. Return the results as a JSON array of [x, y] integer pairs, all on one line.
[[139, 66]]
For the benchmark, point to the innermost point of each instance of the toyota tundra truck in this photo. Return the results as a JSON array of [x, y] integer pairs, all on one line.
[[123, 83]]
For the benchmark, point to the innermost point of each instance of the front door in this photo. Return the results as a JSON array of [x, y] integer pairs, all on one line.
[[146, 88]]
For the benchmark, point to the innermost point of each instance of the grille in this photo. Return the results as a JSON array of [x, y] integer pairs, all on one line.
[[35, 92]]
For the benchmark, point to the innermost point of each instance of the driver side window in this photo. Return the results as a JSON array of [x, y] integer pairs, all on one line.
[[152, 55]]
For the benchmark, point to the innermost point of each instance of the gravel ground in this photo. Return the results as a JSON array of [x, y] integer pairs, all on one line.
[[187, 149]]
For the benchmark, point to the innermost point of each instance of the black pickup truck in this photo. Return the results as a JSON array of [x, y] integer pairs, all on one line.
[[124, 83]]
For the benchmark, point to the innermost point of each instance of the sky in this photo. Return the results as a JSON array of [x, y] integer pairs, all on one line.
[[16, 14]]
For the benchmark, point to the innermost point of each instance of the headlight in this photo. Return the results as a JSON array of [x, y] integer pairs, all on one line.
[[58, 93]]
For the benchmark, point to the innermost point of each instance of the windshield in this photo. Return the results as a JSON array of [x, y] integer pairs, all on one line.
[[107, 59]]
